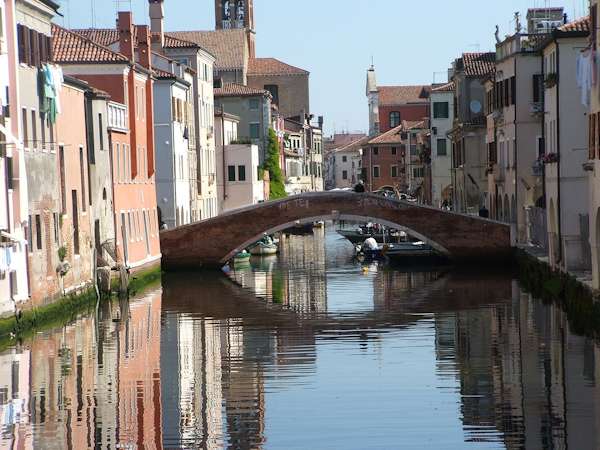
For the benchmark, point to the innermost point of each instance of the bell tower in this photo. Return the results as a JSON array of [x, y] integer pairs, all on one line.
[[232, 14]]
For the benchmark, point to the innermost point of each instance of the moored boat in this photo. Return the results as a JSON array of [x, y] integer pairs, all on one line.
[[263, 249]]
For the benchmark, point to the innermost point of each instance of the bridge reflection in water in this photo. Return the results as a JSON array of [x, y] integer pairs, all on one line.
[[204, 363]]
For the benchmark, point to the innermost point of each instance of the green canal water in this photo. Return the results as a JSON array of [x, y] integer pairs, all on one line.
[[309, 350]]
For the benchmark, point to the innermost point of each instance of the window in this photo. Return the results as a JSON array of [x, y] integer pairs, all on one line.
[[30, 235], [394, 119], [394, 151], [231, 173], [63, 194], [100, 133], [538, 88], [442, 149], [274, 90], [38, 231], [254, 131], [375, 150], [254, 104], [56, 227], [33, 130], [344, 159], [241, 173], [82, 175], [25, 128], [75, 222], [440, 110], [394, 171], [418, 172], [344, 174], [375, 171], [9, 173]]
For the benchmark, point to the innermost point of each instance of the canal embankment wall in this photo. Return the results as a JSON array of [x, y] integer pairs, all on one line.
[[66, 309], [572, 294]]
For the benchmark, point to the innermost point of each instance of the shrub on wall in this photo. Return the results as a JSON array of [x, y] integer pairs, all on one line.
[[272, 165]]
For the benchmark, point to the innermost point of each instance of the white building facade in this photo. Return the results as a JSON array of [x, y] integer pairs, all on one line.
[[442, 119]]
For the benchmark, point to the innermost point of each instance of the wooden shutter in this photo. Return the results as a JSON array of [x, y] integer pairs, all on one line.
[[50, 49], [26, 46], [597, 137], [592, 137], [34, 43], [21, 42], [513, 90], [43, 48]]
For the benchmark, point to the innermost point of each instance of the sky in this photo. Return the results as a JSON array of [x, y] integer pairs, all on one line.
[[410, 42]]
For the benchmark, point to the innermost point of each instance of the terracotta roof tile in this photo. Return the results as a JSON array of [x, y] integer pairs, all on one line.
[[478, 64], [71, 48], [448, 87], [110, 36], [580, 25], [238, 90], [272, 66], [354, 145], [393, 136], [399, 95], [228, 46]]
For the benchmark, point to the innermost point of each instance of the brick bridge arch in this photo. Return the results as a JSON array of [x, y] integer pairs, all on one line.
[[212, 242]]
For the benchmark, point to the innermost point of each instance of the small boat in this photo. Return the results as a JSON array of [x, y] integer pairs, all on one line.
[[242, 257], [319, 224], [300, 229], [263, 249], [359, 235], [401, 253]]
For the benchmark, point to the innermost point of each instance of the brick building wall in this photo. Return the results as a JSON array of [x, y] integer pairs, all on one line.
[[293, 91], [414, 112], [384, 166]]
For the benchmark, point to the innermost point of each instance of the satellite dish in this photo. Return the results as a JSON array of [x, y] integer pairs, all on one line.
[[475, 106]]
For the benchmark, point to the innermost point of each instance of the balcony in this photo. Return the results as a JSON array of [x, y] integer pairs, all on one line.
[[117, 117]]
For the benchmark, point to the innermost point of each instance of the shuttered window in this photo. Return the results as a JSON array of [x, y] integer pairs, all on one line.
[[592, 136]]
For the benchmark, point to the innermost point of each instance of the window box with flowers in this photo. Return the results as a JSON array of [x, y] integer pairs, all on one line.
[[551, 80], [550, 158]]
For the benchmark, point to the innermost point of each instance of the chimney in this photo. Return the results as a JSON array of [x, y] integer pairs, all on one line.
[[157, 24], [143, 44], [125, 26]]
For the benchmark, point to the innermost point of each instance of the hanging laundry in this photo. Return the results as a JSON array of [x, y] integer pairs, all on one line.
[[58, 79], [47, 93], [3, 80], [585, 69]]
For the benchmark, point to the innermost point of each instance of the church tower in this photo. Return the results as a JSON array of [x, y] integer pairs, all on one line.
[[232, 14]]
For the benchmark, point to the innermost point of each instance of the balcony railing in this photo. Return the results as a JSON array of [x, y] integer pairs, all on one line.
[[117, 116]]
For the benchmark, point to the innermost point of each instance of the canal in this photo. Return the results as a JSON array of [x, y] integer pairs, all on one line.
[[309, 350]]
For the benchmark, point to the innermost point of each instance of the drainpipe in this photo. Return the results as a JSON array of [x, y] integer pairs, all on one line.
[[515, 156], [223, 152], [558, 198]]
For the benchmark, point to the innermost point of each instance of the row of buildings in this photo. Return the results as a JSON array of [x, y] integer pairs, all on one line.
[[513, 134], [109, 135]]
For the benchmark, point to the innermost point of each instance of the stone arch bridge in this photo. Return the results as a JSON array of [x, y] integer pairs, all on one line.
[[213, 242]]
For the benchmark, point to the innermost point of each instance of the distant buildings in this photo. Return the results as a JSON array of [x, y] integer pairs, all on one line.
[[343, 163]]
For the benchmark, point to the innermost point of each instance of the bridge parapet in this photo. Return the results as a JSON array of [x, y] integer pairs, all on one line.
[[212, 242]]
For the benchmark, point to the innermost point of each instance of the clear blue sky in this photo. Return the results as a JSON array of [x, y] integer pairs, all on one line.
[[335, 39]]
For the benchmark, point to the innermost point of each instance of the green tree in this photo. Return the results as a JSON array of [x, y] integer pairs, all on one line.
[[272, 165]]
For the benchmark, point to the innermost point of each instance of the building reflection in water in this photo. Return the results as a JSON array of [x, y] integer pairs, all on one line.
[[94, 383], [194, 365]]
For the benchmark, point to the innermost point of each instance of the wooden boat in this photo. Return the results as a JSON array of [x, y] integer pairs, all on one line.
[[263, 249], [300, 229], [402, 253], [359, 236], [242, 257]]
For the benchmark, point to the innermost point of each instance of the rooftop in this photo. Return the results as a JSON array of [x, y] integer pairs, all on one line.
[[110, 36], [272, 66], [581, 25], [399, 95], [448, 87], [478, 64], [239, 90], [71, 48], [394, 136], [227, 46]]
